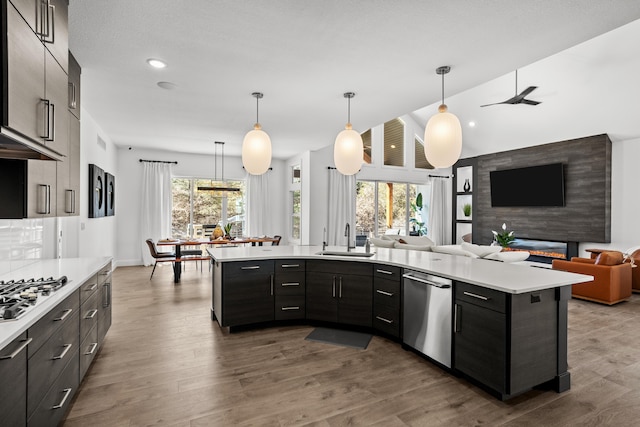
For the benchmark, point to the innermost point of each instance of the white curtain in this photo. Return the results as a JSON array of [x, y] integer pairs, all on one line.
[[342, 207], [258, 205], [439, 229], [155, 215]]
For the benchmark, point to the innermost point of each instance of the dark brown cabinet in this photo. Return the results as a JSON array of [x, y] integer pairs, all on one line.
[[507, 342], [41, 188], [339, 291], [289, 289], [247, 292], [13, 389], [386, 299], [68, 174]]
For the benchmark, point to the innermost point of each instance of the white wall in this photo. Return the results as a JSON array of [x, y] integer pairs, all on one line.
[[128, 196]]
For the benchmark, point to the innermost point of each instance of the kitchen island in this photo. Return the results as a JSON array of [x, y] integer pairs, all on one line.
[[506, 323]]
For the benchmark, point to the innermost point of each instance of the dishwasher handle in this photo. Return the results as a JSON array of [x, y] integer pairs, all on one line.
[[426, 282]]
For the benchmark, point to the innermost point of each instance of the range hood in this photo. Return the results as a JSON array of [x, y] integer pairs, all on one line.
[[14, 145]]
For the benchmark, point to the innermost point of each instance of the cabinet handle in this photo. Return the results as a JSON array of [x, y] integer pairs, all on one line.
[[94, 345], [384, 271], [92, 315], [290, 265], [17, 351], [290, 308], [340, 292], [43, 199], [67, 392], [72, 96], [67, 347], [106, 301], [52, 119], [457, 314], [253, 267], [67, 312], [334, 287], [388, 294], [43, 14], [69, 201], [46, 128], [50, 8], [483, 298], [384, 320], [92, 288], [271, 280], [290, 284]]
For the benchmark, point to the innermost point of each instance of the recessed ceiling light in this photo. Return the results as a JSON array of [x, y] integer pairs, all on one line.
[[167, 85], [472, 124], [156, 63], [393, 146]]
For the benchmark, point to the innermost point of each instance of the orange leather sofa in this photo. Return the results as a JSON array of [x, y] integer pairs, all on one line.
[[611, 284]]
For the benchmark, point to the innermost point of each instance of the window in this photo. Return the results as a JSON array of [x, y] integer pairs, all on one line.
[[421, 160], [394, 143], [390, 207], [366, 142], [191, 206], [295, 214]]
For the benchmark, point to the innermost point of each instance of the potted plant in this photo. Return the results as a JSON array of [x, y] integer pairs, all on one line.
[[504, 238], [466, 209], [227, 231]]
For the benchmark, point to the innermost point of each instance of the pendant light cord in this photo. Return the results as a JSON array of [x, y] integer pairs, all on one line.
[[349, 110], [442, 88], [257, 101]]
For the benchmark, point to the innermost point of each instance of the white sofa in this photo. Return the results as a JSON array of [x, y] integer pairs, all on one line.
[[423, 243]]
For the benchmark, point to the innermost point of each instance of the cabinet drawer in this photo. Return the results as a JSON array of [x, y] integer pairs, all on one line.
[[88, 350], [386, 292], [50, 410], [290, 307], [50, 322], [387, 272], [386, 319], [89, 313], [290, 284], [482, 297], [104, 273], [88, 288], [290, 265], [13, 374], [339, 267], [48, 362], [243, 269]]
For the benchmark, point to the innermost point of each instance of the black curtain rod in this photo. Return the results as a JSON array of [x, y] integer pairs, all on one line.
[[440, 176], [157, 161]]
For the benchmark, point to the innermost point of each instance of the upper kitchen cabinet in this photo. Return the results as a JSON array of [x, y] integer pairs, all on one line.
[[35, 83], [74, 86], [48, 19]]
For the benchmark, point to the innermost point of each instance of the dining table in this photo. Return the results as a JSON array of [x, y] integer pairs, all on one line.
[[178, 243]]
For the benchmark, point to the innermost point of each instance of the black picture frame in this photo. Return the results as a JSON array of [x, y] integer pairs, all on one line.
[[97, 187], [110, 194]]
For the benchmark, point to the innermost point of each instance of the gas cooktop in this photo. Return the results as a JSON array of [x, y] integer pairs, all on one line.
[[18, 297]]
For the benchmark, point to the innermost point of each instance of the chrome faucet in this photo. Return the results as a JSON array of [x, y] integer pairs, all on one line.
[[347, 233]]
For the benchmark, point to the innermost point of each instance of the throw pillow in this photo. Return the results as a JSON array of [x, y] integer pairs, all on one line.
[[509, 256], [479, 251], [399, 245], [381, 243], [609, 258]]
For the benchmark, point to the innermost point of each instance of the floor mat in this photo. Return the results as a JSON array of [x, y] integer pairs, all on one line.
[[340, 337]]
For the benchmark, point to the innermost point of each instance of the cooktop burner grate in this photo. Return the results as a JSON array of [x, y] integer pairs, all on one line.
[[17, 297]]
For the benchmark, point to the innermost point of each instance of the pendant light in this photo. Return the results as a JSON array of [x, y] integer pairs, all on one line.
[[443, 134], [348, 149], [256, 147], [215, 173]]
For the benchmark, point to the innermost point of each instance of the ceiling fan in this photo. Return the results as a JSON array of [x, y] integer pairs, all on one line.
[[518, 98]]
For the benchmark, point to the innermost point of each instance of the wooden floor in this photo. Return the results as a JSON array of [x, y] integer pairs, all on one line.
[[164, 362]]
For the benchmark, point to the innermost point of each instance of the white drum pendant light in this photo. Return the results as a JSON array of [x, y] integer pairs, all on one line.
[[256, 147], [348, 149], [443, 134]]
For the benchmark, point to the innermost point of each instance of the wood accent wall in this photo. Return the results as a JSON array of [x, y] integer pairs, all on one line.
[[586, 216]]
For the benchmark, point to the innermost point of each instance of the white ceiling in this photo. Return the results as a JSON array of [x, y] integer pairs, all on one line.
[[304, 54]]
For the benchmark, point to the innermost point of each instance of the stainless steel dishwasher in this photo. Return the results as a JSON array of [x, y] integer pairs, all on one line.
[[427, 315]]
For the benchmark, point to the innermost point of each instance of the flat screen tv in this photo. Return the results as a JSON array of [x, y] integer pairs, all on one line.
[[531, 186]]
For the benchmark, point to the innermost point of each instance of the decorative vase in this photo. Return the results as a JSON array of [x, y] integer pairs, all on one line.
[[217, 232], [467, 186]]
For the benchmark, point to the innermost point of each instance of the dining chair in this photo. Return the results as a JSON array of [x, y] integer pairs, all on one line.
[[159, 256], [277, 241]]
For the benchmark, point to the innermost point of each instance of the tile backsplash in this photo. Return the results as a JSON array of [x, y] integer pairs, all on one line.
[[22, 240]]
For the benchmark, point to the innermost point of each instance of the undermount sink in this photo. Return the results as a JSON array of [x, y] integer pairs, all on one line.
[[345, 253]]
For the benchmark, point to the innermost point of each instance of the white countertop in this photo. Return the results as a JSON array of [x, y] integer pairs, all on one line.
[[77, 270], [505, 277]]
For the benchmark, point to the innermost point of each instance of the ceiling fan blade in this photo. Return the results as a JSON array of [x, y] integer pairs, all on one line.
[[495, 103], [527, 91], [529, 102]]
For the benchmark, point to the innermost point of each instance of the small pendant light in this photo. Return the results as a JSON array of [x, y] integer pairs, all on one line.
[[221, 189], [256, 147], [348, 149], [443, 134]]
